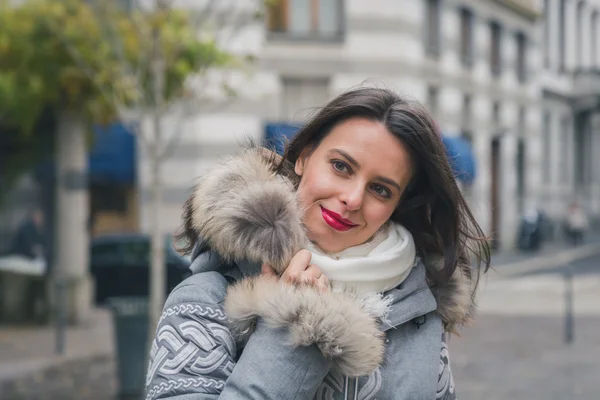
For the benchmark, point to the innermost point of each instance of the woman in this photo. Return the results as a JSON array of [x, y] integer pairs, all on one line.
[[361, 310]]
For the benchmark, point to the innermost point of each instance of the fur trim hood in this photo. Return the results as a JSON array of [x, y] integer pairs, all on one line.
[[244, 211]]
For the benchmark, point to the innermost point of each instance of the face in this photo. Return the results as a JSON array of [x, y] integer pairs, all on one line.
[[351, 183]]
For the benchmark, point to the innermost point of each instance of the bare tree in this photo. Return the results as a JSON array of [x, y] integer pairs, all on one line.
[[161, 52]]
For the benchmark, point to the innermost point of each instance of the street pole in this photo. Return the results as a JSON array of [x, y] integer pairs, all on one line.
[[569, 319], [60, 314]]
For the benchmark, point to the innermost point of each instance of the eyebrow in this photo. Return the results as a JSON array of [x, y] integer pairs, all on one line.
[[356, 165]]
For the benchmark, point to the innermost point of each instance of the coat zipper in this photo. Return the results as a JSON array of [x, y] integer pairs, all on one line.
[[346, 387], [347, 390]]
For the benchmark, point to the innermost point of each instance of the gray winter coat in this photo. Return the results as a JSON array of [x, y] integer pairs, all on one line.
[[228, 333]]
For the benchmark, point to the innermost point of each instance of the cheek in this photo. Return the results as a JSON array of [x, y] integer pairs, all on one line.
[[315, 186], [377, 213]]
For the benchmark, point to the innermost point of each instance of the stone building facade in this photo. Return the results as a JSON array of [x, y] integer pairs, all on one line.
[[570, 131], [519, 79], [474, 63]]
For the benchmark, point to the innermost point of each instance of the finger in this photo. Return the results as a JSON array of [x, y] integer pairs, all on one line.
[[267, 270], [314, 270], [312, 273], [322, 283], [299, 264]]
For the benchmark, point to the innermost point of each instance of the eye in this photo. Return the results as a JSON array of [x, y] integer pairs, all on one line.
[[340, 166], [381, 190]]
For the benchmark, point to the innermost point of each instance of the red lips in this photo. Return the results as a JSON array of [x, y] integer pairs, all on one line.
[[336, 221]]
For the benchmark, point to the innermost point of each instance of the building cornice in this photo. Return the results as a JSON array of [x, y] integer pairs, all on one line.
[[530, 9]]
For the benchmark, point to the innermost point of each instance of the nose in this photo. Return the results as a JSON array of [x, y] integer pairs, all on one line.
[[352, 197]]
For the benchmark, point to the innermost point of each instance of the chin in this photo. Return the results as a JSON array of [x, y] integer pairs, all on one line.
[[325, 247], [325, 243]]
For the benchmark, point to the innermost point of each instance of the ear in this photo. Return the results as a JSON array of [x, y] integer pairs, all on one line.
[[299, 167], [301, 161]]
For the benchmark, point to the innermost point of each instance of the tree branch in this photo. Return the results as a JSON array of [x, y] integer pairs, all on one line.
[[109, 95], [189, 108], [234, 18], [234, 23], [88, 70], [108, 27], [203, 15]]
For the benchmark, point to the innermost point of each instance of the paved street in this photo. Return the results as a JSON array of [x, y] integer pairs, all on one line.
[[547, 248], [524, 358], [588, 267], [515, 348]]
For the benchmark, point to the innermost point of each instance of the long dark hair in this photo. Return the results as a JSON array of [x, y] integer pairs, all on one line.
[[432, 207]]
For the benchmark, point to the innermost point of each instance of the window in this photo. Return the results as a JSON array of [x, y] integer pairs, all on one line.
[[432, 100], [301, 96], [565, 139], [306, 19], [467, 188], [106, 197], [466, 37], [521, 168], [580, 38], [495, 48], [521, 57], [547, 33], [546, 146], [496, 111], [466, 113], [433, 34], [467, 123], [522, 121], [594, 41], [562, 44]]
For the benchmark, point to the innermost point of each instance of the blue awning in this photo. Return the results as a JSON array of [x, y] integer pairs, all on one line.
[[278, 134], [461, 157], [112, 157]]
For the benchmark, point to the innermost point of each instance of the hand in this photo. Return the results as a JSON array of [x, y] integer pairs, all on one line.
[[301, 271]]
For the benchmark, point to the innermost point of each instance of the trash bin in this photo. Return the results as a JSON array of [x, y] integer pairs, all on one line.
[[120, 265], [130, 322]]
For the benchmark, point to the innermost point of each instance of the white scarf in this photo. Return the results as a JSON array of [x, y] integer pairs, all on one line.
[[373, 267]]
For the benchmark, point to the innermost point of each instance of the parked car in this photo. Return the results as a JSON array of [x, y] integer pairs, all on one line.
[[120, 265]]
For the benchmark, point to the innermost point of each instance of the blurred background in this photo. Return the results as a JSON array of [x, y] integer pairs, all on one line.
[[110, 111]]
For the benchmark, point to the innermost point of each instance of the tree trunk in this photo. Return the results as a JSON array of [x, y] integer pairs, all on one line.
[[71, 262], [158, 268]]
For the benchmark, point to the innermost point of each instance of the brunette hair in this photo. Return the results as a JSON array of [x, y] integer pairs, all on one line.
[[432, 207]]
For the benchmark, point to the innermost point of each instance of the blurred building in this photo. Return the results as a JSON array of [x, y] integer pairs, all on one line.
[[570, 131], [519, 80], [474, 63]]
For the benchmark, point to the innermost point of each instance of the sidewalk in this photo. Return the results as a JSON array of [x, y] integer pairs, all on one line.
[[552, 254], [512, 256], [29, 369]]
